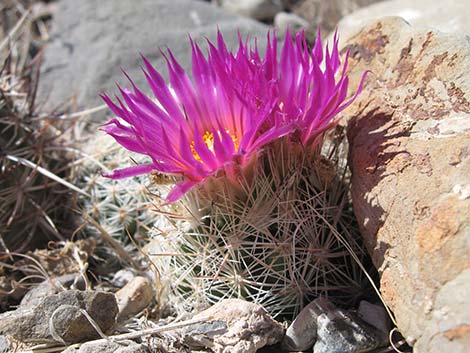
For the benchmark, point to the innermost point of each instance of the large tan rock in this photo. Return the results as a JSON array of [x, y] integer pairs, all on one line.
[[410, 158], [446, 16]]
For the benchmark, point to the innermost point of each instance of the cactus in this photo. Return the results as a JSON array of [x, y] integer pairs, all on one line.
[[266, 213], [124, 207], [280, 242]]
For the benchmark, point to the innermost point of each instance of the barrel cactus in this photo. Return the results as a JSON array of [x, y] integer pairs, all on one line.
[[262, 210]]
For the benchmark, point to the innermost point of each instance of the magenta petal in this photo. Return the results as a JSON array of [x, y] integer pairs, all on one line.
[[242, 99], [130, 171], [178, 191]]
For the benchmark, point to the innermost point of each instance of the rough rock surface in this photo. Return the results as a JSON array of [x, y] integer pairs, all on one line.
[[341, 332], [331, 330], [92, 41], [61, 313], [410, 159], [375, 315], [134, 297], [109, 347], [302, 332], [234, 326], [446, 16]]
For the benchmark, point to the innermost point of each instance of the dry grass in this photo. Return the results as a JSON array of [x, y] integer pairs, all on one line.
[[35, 195]]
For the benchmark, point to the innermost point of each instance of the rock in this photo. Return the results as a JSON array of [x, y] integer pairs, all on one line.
[[52, 286], [58, 317], [321, 324], [409, 140], [341, 332], [449, 16], [375, 315], [122, 277], [134, 297], [92, 41], [449, 329], [295, 23], [263, 10], [302, 332], [125, 346], [234, 326], [326, 14]]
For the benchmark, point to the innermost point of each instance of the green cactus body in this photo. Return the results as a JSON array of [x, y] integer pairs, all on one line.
[[122, 208], [277, 239]]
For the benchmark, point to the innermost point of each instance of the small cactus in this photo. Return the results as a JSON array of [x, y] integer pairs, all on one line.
[[123, 207], [279, 243], [265, 212]]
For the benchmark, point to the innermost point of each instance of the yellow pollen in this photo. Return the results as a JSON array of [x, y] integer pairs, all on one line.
[[208, 139]]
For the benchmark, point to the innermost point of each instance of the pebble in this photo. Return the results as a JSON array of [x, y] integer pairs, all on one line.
[[302, 332], [341, 332], [134, 297], [262, 10], [295, 23]]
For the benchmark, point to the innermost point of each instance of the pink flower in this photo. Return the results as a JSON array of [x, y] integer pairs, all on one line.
[[235, 105]]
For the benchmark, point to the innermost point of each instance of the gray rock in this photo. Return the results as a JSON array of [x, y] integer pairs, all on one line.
[[257, 9], [52, 286], [58, 317], [341, 332], [109, 347], [234, 326], [202, 335], [374, 315], [446, 16], [302, 332], [295, 23], [134, 297], [448, 329], [92, 40], [122, 277], [326, 14]]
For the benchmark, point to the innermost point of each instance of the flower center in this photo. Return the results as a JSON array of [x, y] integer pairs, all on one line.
[[208, 139]]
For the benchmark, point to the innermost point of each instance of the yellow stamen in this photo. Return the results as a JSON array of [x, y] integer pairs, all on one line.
[[208, 139]]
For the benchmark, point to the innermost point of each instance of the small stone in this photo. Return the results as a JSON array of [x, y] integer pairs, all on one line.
[[341, 332], [122, 277], [256, 9], [302, 333], [234, 326], [59, 317], [284, 20], [134, 297], [374, 315], [125, 346]]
